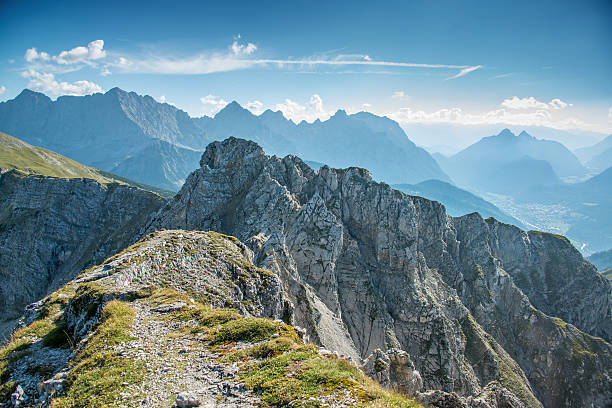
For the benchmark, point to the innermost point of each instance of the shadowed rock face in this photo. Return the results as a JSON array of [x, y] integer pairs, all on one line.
[[367, 267], [51, 228]]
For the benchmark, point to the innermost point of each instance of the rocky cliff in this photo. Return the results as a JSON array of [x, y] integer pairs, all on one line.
[[170, 322], [368, 268], [50, 228]]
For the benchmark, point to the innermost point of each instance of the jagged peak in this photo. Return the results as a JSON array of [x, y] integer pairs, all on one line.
[[30, 94], [506, 133], [231, 148]]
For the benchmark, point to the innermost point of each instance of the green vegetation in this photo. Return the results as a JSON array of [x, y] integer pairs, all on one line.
[[16, 154], [278, 365], [99, 375]]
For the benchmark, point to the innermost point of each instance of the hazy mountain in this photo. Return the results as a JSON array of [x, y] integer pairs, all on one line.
[[160, 164], [602, 260], [361, 139], [587, 153], [601, 161], [105, 130], [157, 143], [450, 138], [457, 202], [506, 160]]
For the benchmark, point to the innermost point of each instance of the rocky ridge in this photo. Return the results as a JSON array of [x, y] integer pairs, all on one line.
[[367, 267], [139, 330], [50, 228]]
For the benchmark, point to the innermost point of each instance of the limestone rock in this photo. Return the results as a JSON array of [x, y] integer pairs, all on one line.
[[51, 228], [366, 267]]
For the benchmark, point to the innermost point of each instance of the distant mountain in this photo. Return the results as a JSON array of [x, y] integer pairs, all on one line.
[[457, 202], [361, 139], [142, 139], [105, 130], [504, 155], [602, 260], [601, 161], [587, 153], [598, 156], [16, 154]]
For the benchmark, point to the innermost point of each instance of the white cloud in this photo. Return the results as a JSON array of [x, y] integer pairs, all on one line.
[[46, 83], [2, 89], [32, 54], [163, 99], [105, 72], [399, 95], [241, 49], [465, 71], [559, 104], [517, 103], [93, 51], [256, 107], [610, 113], [213, 104], [309, 112]]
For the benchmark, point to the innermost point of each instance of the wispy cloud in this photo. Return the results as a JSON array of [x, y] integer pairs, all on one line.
[[465, 71], [208, 64], [3, 90]]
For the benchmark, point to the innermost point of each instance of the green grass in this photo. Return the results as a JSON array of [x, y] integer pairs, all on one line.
[[18, 155], [98, 375]]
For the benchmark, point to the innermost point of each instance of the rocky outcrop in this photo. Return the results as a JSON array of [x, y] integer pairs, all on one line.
[[51, 228], [143, 329], [367, 267]]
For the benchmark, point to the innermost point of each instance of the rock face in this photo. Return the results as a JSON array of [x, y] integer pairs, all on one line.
[[367, 267], [50, 228]]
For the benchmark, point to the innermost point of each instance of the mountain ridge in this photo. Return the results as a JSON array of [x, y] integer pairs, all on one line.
[[108, 130]]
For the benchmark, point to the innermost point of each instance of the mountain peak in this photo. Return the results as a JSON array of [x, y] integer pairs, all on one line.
[[232, 108], [340, 113], [29, 94], [525, 135], [115, 91], [506, 133]]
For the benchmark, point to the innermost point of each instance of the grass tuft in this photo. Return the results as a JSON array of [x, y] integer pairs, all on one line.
[[99, 375]]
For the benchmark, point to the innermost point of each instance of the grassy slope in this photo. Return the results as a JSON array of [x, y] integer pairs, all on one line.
[[16, 154]]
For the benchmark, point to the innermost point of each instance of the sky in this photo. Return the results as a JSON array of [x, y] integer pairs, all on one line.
[[461, 63]]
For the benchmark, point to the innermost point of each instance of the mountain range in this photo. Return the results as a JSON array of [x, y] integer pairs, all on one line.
[[158, 144], [389, 280], [503, 162]]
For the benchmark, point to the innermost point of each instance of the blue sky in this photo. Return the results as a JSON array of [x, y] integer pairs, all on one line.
[[545, 63]]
